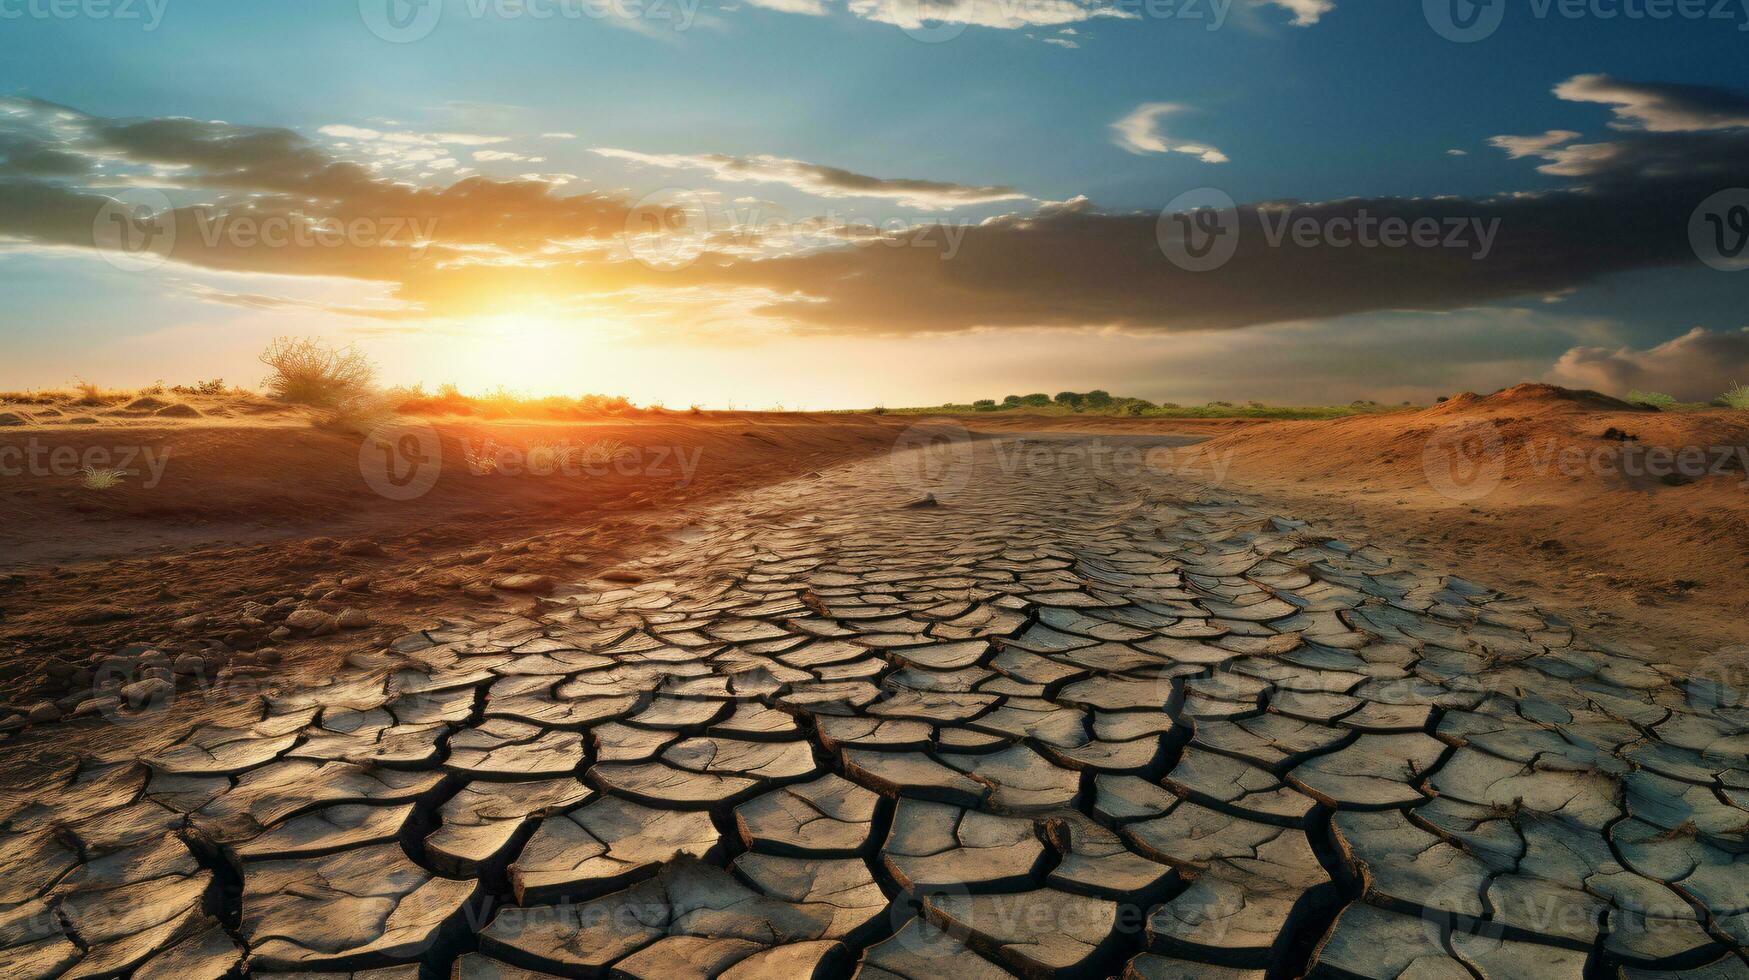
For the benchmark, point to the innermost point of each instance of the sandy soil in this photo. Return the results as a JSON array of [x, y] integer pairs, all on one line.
[[228, 519], [1521, 490]]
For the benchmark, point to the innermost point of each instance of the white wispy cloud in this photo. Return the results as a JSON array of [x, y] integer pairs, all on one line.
[[820, 180], [1139, 132]]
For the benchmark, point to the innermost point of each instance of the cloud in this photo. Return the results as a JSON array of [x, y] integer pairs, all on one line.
[[820, 180], [342, 131], [1004, 14], [1621, 206], [1660, 107], [220, 176], [1139, 132], [1696, 366], [1074, 265], [1306, 12], [1457, 153], [810, 8], [1519, 147], [493, 156]]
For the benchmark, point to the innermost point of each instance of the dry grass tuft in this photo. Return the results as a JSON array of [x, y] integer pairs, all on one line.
[[94, 478]]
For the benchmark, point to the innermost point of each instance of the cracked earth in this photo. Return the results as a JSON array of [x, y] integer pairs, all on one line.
[[1060, 721]]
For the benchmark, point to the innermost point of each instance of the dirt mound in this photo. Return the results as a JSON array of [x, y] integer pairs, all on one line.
[[145, 403], [1536, 397], [179, 411]]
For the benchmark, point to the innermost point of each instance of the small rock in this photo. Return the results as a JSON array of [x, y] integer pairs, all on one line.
[[575, 559], [11, 723], [362, 548], [525, 582], [351, 619], [268, 655], [189, 664], [310, 620], [43, 711], [191, 622], [322, 544], [280, 634], [147, 692], [96, 705]]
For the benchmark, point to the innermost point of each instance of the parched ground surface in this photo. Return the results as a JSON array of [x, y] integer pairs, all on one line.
[[1063, 719]]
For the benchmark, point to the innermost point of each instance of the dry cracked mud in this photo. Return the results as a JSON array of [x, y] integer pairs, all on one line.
[[1065, 723]]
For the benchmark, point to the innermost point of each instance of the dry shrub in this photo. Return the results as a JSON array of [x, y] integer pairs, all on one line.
[[310, 371]]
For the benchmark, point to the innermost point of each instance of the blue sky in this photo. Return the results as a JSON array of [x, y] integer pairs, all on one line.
[[1300, 100]]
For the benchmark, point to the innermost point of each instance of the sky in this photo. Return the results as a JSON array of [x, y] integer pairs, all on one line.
[[845, 203]]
